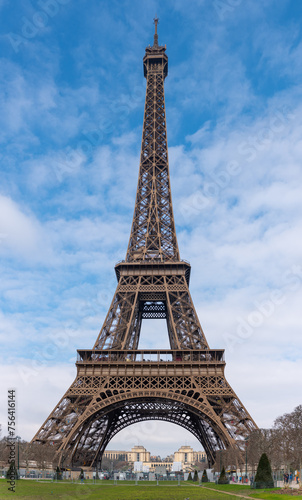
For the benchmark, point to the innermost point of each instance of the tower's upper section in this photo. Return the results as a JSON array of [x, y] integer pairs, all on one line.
[[153, 236], [155, 56]]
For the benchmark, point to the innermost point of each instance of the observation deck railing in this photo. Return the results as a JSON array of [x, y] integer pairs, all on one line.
[[150, 356]]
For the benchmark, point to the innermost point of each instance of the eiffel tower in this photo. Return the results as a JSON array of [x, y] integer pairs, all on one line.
[[118, 384]]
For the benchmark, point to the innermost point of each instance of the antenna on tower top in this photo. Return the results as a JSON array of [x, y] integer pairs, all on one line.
[[156, 20]]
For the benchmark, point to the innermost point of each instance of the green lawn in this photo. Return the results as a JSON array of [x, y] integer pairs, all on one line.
[[247, 491], [267, 496], [34, 490]]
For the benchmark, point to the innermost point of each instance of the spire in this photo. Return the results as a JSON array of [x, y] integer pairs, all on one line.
[[156, 20], [153, 236]]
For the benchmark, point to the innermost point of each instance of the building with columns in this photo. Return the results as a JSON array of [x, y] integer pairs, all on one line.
[[137, 454], [185, 455]]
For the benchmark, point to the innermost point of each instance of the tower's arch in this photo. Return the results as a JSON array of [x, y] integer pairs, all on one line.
[[89, 438]]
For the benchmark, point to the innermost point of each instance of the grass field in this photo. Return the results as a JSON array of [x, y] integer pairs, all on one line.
[[36, 490], [247, 491]]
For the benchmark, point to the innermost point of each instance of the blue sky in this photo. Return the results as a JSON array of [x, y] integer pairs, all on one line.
[[71, 111]]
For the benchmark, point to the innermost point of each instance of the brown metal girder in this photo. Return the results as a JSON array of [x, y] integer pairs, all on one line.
[[103, 406], [177, 268], [177, 420], [131, 321], [220, 433], [155, 128]]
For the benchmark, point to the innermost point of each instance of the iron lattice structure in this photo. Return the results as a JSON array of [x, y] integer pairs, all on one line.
[[117, 384]]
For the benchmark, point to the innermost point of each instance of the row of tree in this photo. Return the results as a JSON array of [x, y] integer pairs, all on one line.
[[195, 478], [282, 444], [27, 452]]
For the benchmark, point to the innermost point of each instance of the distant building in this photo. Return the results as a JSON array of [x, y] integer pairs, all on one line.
[[124, 456], [185, 458], [159, 467], [137, 454]]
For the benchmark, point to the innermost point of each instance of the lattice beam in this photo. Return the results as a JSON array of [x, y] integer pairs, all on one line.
[[153, 235]]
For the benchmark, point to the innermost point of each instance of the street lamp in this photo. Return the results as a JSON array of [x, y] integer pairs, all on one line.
[[246, 443], [61, 467], [18, 440], [96, 470]]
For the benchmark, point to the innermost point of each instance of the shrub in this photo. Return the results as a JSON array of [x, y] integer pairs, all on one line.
[[204, 478], [195, 477], [263, 478], [223, 478], [190, 477]]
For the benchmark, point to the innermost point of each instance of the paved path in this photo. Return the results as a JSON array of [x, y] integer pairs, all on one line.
[[232, 494]]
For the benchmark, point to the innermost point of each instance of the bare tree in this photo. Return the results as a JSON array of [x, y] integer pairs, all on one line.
[[115, 464], [43, 454], [264, 441], [282, 443], [4, 451], [289, 429]]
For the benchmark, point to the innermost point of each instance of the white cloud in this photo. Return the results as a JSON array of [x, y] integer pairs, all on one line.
[[21, 232], [32, 398]]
